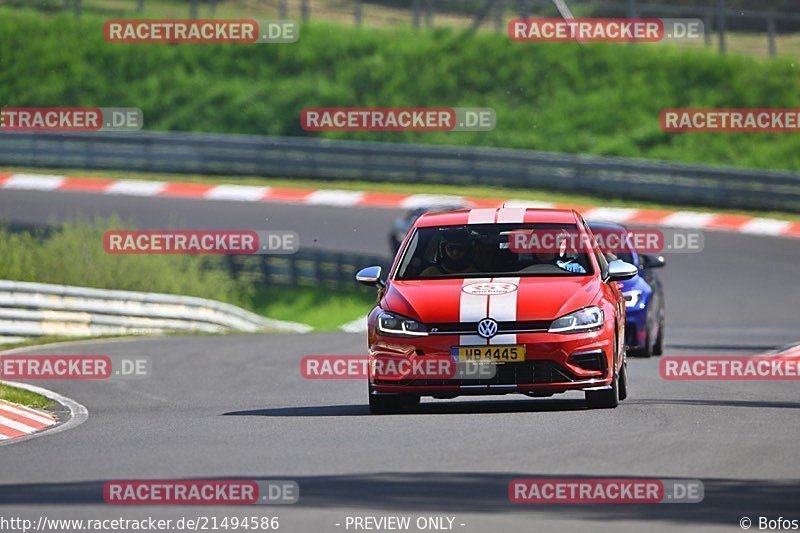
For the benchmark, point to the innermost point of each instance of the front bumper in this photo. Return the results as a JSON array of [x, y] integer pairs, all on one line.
[[554, 363], [636, 327]]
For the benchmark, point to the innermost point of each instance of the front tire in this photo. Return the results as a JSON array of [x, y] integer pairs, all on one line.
[[391, 404], [658, 347], [623, 380], [605, 399]]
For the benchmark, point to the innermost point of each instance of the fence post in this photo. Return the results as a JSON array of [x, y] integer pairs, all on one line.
[[282, 9], [212, 6], [499, 11], [140, 6], [78, 7], [358, 13], [305, 10], [415, 13], [340, 273], [721, 28], [293, 273], [265, 270], [633, 9], [194, 7], [429, 13], [525, 8], [772, 34], [318, 278], [708, 24]]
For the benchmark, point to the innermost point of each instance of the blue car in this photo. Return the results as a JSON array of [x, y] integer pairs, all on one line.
[[644, 296]]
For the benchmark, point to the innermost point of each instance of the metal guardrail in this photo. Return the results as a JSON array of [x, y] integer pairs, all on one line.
[[305, 157], [308, 267], [39, 309]]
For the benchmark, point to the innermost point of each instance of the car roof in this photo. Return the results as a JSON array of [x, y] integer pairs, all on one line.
[[494, 215]]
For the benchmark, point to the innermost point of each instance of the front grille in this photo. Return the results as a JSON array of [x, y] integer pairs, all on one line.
[[507, 374], [467, 328]]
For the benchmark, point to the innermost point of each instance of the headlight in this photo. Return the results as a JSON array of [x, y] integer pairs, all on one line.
[[632, 298], [581, 320], [400, 326]]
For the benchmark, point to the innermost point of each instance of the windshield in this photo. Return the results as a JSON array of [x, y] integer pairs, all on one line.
[[488, 250]]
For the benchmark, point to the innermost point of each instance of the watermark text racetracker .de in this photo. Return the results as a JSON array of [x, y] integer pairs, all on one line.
[[245, 31], [724, 368], [201, 492], [605, 491], [730, 120], [74, 367], [398, 119], [649, 241], [71, 119], [643, 30], [195, 242], [394, 368]]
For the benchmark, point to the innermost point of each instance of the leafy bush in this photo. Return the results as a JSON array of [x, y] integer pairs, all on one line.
[[599, 99]]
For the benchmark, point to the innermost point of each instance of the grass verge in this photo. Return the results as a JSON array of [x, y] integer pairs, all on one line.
[[23, 397], [326, 310], [72, 253], [602, 99]]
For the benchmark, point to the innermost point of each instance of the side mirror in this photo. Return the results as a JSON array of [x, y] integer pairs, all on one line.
[[619, 270], [370, 276], [652, 261]]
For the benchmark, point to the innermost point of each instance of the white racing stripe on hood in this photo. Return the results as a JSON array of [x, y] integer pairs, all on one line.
[[503, 308], [472, 308]]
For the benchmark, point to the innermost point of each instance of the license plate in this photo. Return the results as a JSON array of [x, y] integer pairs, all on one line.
[[514, 353]]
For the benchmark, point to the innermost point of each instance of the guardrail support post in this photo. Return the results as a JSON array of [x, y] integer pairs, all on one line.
[[525, 9], [293, 274], [340, 273], [194, 8], [429, 13], [282, 9], [721, 25], [358, 13], [265, 270], [140, 6], [771, 34], [633, 9], [415, 7], [499, 11], [305, 10]]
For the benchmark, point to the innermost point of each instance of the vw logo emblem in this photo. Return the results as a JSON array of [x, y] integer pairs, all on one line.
[[487, 328]]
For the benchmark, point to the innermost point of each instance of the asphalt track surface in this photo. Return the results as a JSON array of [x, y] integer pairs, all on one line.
[[236, 407]]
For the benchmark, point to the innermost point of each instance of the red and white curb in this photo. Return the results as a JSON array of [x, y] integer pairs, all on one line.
[[17, 420], [18, 423], [344, 198]]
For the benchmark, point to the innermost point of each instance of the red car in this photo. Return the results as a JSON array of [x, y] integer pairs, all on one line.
[[534, 321]]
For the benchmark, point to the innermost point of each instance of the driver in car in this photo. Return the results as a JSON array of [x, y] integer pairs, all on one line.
[[455, 255]]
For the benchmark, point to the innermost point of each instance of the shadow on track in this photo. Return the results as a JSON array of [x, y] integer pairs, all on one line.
[[756, 404], [720, 347], [726, 500], [426, 408]]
